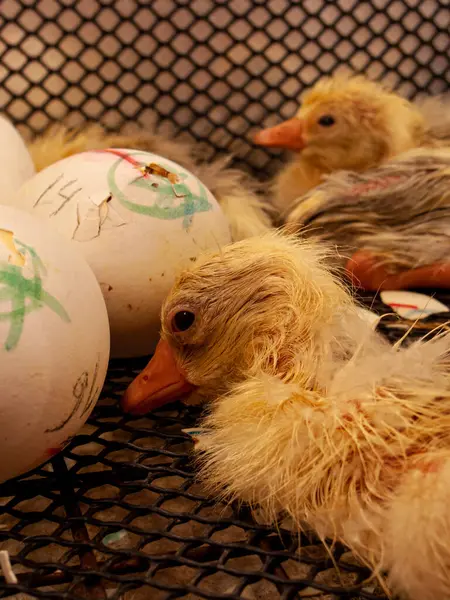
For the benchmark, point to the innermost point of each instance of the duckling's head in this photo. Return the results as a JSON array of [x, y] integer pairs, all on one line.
[[348, 122], [265, 304]]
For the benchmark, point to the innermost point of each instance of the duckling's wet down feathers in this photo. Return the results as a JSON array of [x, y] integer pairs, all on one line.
[[312, 413]]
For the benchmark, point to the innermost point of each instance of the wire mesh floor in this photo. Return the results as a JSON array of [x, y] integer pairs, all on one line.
[[119, 515]]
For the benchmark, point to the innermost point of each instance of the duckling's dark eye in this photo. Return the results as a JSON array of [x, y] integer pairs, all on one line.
[[326, 121], [183, 320]]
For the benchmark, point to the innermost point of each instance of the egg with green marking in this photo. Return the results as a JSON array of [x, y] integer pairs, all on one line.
[[138, 219], [54, 341]]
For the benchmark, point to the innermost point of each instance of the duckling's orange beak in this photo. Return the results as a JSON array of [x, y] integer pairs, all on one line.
[[161, 381], [365, 272], [288, 135]]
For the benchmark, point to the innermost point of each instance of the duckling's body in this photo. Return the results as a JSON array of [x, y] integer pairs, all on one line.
[[364, 460], [399, 211], [235, 191], [313, 413], [352, 123]]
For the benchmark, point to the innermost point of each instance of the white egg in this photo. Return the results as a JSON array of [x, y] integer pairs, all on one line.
[[138, 219], [16, 164], [54, 341]]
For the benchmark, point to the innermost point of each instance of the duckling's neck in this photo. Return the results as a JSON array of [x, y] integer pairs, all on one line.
[[294, 181]]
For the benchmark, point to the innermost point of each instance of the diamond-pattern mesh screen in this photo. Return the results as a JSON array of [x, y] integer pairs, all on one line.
[[119, 514], [215, 69]]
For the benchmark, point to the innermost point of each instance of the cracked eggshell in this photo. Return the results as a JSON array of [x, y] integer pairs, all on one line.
[[54, 341], [16, 164], [138, 219]]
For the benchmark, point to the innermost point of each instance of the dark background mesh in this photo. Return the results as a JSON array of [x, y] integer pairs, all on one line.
[[214, 71]]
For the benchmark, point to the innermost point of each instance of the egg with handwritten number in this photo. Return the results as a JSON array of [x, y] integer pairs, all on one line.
[[138, 219], [54, 341], [16, 164]]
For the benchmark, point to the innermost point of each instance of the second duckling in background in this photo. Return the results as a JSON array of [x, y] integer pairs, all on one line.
[[349, 122]]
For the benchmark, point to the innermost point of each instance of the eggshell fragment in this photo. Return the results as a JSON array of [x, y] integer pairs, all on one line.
[[412, 305], [54, 342], [138, 219]]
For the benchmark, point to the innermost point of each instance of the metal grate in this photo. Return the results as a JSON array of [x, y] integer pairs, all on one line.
[[215, 69], [121, 516]]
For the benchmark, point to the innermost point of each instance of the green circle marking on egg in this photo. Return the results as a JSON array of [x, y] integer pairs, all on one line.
[[173, 200], [24, 294]]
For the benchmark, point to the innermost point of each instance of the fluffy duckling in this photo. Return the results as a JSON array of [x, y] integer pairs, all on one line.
[[393, 220], [349, 122], [313, 414], [235, 191], [229, 287]]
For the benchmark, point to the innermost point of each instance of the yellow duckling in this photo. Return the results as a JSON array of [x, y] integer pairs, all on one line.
[[349, 122], [313, 414], [235, 191]]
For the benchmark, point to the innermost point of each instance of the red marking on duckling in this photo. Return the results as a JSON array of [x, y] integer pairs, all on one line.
[[428, 465], [433, 466], [350, 417], [374, 185]]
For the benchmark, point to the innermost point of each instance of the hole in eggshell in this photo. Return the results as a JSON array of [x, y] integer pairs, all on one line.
[[7, 240]]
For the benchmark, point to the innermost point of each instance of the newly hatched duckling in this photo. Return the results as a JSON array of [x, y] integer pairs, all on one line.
[[349, 122], [313, 414], [235, 191], [392, 222]]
